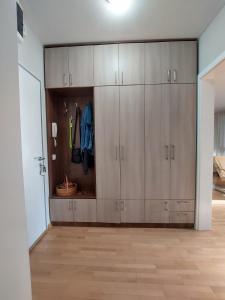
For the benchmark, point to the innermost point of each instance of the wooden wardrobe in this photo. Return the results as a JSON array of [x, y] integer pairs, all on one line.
[[144, 97]]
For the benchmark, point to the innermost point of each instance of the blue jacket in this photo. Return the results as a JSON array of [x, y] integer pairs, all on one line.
[[86, 129]]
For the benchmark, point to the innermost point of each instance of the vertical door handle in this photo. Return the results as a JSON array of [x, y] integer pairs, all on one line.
[[70, 79], [121, 152], [74, 205], [172, 152], [116, 152], [121, 205], [174, 75], [166, 206], [167, 152], [64, 80], [169, 75]]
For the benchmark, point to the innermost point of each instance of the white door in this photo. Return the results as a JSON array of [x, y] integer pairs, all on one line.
[[31, 132]]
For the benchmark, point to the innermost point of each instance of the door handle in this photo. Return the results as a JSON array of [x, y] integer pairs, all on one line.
[[39, 158], [172, 152], [169, 75], [116, 153], [121, 153], [174, 75], [121, 205], [167, 152], [70, 79], [64, 80]]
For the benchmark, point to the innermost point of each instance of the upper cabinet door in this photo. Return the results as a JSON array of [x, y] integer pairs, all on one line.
[[106, 66], [157, 63], [157, 141], [183, 141], [107, 142], [132, 136], [81, 66], [183, 62], [56, 67], [131, 64]]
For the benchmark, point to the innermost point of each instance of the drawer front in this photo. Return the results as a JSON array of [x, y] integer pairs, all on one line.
[[182, 205], [182, 217], [61, 210], [157, 211], [85, 210]]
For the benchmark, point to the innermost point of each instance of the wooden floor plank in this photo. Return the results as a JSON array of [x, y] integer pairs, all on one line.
[[131, 264]]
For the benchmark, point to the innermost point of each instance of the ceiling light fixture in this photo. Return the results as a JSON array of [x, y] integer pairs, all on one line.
[[119, 6]]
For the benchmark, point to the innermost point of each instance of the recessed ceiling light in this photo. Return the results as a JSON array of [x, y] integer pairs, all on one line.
[[119, 6]]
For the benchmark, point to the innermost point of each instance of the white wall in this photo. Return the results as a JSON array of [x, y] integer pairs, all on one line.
[[14, 256], [206, 96], [212, 41], [30, 56]]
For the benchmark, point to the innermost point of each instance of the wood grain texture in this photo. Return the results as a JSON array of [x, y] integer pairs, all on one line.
[[132, 142], [184, 61], [56, 67], [133, 211], [108, 211], [157, 142], [131, 63], [131, 264], [61, 210], [183, 139], [106, 65], [81, 66], [107, 129], [157, 63], [85, 210]]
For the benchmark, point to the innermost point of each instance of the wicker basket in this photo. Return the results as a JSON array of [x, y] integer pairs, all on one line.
[[66, 189]]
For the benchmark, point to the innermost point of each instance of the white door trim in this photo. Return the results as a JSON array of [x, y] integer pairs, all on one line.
[[205, 142]]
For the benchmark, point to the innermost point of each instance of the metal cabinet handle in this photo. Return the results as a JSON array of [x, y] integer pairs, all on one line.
[[121, 205], [64, 80], [169, 76], [167, 152], [166, 206], [174, 75], [121, 153], [70, 79], [172, 153], [116, 152]]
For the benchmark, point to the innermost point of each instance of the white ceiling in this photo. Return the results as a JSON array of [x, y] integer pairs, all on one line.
[[74, 21]]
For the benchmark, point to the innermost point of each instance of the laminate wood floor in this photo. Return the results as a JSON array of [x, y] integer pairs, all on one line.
[[131, 264]]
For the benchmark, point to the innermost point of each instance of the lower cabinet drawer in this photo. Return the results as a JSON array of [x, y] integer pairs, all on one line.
[[182, 205], [85, 210], [73, 210], [182, 217]]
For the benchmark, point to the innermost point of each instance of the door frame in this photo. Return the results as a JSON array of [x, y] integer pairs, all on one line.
[[42, 141], [205, 145]]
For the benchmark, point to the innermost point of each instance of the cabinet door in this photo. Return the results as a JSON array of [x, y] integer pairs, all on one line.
[[107, 142], [157, 63], [56, 67], [108, 211], [183, 141], [132, 211], [132, 142], [131, 63], [157, 211], [184, 62], [61, 210], [84, 210], [81, 63], [182, 205], [106, 64], [157, 142]]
